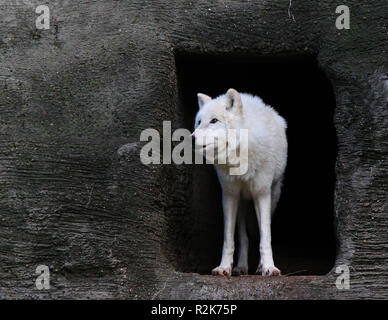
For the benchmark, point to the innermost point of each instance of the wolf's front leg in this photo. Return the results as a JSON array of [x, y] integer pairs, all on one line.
[[230, 204], [263, 212]]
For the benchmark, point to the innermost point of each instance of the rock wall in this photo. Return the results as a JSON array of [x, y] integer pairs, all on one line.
[[74, 99]]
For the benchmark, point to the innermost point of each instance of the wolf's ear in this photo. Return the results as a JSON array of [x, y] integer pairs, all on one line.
[[234, 100], [202, 99]]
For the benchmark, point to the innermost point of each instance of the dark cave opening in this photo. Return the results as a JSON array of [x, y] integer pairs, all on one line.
[[303, 235]]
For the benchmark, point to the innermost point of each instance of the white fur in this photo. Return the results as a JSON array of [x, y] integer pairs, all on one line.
[[267, 158]]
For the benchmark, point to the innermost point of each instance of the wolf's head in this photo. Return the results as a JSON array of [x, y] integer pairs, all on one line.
[[217, 125]]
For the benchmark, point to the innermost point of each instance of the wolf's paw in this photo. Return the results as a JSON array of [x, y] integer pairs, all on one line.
[[222, 271], [240, 270], [268, 271]]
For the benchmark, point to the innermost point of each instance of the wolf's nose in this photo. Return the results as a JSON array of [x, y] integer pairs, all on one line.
[[193, 137]]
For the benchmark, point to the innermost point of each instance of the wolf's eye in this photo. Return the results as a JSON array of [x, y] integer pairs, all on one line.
[[199, 122], [214, 120]]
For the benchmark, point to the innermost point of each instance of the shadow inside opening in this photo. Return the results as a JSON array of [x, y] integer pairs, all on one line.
[[302, 227]]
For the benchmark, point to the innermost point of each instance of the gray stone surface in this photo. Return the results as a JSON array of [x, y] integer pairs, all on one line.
[[74, 99]]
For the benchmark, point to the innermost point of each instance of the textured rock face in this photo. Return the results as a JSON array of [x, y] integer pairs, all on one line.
[[73, 101]]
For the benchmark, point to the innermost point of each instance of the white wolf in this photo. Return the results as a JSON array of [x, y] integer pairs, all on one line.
[[267, 158]]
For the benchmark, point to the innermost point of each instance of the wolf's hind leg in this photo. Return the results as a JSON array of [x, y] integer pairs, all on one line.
[[242, 264], [263, 211]]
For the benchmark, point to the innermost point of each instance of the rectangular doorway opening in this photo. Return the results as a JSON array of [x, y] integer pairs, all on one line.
[[303, 236]]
